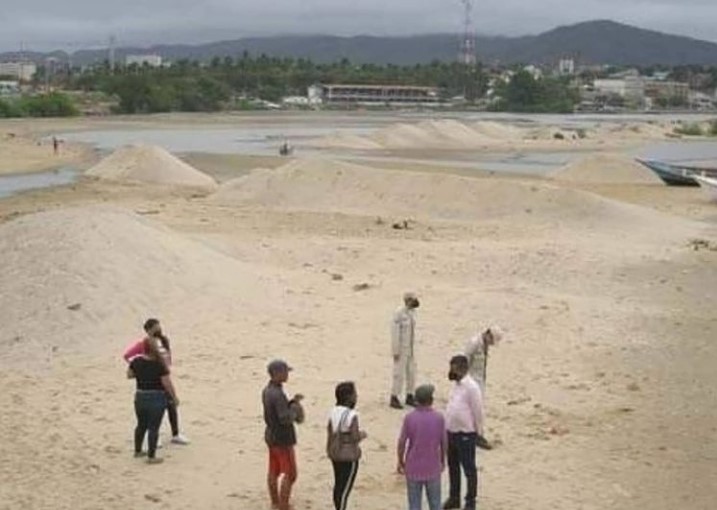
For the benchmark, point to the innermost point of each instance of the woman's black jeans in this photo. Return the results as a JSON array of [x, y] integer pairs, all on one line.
[[149, 405]]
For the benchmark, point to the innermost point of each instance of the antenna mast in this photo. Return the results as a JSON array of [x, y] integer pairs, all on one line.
[[467, 54], [113, 42]]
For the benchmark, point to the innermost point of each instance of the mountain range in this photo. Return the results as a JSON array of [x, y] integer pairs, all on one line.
[[593, 43]]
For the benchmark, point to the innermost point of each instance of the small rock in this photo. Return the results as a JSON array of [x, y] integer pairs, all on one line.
[[361, 287], [558, 430], [153, 498], [633, 387], [75, 307], [337, 277]]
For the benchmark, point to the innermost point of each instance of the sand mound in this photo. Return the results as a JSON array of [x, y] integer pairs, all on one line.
[[117, 266], [430, 134], [333, 186], [498, 130], [346, 141], [149, 163], [606, 169]]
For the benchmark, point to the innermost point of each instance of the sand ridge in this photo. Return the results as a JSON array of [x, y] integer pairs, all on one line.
[[606, 168], [152, 164], [113, 266]]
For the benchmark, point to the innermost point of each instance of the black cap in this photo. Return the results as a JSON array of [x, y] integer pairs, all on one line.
[[278, 366]]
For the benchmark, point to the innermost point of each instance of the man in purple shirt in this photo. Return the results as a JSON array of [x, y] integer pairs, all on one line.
[[422, 451]]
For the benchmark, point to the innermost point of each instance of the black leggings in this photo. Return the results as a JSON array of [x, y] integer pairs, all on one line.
[[173, 416], [344, 478], [149, 407]]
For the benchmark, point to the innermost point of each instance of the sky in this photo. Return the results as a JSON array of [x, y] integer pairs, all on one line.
[[44, 25]]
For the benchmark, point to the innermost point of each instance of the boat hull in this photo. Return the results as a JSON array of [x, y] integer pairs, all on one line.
[[708, 185], [677, 175]]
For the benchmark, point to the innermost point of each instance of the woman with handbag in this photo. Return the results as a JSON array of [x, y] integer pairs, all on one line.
[[342, 444]]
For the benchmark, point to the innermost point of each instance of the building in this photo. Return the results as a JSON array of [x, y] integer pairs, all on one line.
[[373, 94], [566, 67], [9, 88], [667, 90], [534, 71], [142, 60], [22, 71], [701, 102], [630, 88]]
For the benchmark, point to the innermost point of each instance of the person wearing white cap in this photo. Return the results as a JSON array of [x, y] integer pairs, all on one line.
[[403, 340], [476, 351]]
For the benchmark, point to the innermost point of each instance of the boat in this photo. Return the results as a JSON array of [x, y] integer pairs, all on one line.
[[709, 185], [678, 175]]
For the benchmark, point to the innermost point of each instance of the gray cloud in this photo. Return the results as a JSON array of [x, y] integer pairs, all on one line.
[[75, 24]]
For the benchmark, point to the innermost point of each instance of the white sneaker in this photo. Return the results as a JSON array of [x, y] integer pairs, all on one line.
[[180, 439]]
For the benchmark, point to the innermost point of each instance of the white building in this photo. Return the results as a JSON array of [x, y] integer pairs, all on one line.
[[23, 71], [295, 101], [9, 88], [631, 88], [534, 71], [141, 60], [566, 67]]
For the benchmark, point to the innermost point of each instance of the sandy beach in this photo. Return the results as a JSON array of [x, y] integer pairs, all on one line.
[[601, 396]]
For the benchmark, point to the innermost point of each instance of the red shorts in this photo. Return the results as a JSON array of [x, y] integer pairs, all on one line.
[[282, 461]]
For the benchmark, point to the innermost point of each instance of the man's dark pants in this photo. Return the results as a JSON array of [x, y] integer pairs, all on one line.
[[462, 455]]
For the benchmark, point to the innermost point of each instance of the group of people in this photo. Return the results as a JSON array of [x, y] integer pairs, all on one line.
[[429, 441]]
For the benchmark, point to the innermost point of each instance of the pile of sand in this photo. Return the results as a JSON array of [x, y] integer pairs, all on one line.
[[346, 141], [83, 274], [149, 163], [430, 134], [333, 186], [606, 169], [634, 131], [499, 131]]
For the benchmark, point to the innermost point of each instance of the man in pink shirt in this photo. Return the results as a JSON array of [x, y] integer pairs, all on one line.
[[422, 451], [464, 422], [153, 329]]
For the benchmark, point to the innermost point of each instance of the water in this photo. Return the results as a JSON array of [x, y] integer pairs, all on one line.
[[12, 184], [259, 141], [264, 138]]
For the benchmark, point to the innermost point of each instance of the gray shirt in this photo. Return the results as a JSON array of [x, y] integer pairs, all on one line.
[[278, 416]]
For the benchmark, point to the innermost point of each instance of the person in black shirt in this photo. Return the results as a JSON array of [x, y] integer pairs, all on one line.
[[154, 386], [280, 414], [153, 329]]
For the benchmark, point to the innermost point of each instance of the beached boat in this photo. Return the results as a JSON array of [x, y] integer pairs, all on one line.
[[678, 175], [709, 185]]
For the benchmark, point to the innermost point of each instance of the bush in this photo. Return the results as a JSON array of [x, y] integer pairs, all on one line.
[[713, 128], [10, 109], [692, 129], [54, 104]]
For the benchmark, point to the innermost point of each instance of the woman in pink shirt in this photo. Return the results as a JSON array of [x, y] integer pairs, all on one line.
[[154, 330], [422, 451]]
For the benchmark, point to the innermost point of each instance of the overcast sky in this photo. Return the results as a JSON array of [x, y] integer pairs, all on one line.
[[76, 24]]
